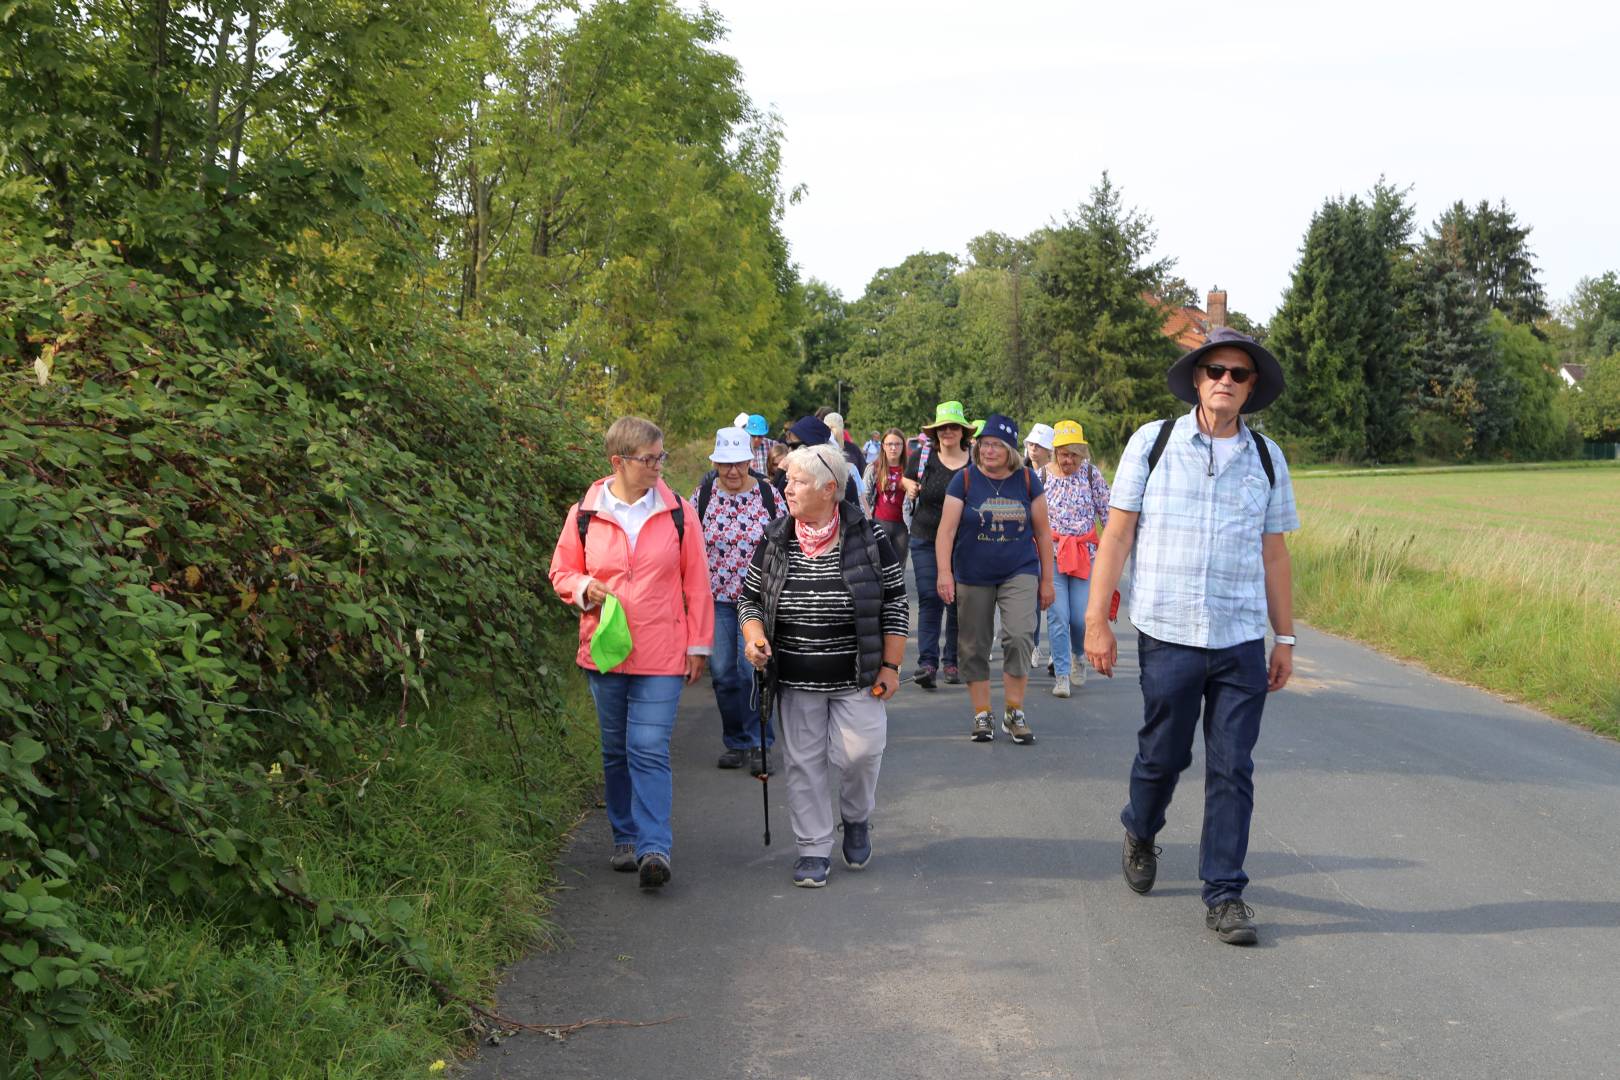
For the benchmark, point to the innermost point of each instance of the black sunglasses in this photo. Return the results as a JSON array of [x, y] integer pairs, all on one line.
[[1240, 375]]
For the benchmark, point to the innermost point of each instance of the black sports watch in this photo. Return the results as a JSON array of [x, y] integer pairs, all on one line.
[[892, 667]]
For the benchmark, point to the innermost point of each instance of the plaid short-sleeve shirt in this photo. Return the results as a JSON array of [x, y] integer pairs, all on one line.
[[1199, 578]]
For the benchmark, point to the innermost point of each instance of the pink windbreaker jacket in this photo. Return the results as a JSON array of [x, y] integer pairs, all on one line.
[[647, 584]]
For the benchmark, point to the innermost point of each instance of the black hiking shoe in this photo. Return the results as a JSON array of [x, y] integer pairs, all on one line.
[[623, 858], [1141, 862], [953, 675], [732, 759], [759, 762], [925, 678], [654, 870], [1233, 922], [857, 844]]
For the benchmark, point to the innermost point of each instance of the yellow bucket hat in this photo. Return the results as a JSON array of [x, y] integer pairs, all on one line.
[[1068, 433]]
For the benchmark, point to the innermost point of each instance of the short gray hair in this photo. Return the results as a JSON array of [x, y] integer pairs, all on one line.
[[831, 459], [1015, 459]]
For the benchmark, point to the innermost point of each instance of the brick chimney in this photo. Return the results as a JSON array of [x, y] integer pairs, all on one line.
[[1217, 308]]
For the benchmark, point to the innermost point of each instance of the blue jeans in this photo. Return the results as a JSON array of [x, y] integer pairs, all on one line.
[[733, 678], [1066, 621], [637, 714], [1230, 686], [930, 608]]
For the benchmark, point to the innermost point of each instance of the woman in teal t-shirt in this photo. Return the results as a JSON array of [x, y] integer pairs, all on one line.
[[994, 548]]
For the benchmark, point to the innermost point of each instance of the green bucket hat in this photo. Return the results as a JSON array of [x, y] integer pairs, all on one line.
[[978, 428], [610, 644], [949, 412]]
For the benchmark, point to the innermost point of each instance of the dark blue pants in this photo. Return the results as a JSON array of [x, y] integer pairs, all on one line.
[[931, 609], [733, 678], [1229, 687]]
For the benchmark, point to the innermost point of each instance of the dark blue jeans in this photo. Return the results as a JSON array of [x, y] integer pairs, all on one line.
[[637, 714], [1229, 687], [930, 608], [733, 678]]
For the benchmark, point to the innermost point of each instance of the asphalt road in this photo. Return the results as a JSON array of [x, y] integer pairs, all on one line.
[[1435, 873]]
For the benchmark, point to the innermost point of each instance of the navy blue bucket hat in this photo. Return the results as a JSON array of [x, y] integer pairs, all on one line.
[[810, 431], [1000, 427], [1268, 373]]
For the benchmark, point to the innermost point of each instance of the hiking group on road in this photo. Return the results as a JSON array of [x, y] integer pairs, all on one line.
[[784, 573]]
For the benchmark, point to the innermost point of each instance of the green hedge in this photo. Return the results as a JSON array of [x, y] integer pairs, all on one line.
[[230, 530]]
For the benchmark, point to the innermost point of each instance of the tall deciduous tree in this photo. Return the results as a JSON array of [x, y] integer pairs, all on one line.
[[1593, 317]]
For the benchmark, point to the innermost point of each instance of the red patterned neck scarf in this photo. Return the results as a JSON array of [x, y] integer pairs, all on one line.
[[814, 540]]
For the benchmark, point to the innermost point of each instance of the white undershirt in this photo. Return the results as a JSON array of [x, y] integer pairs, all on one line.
[[1224, 449]]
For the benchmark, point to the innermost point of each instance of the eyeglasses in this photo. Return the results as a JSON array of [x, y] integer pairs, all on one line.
[[652, 461], [730, 466], [1240, 375]]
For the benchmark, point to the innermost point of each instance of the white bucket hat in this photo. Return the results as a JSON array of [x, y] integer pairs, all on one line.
[[1041, 436], [741, 420], [731, 445]]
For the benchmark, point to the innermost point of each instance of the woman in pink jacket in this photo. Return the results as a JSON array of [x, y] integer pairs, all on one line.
[[634, 538]]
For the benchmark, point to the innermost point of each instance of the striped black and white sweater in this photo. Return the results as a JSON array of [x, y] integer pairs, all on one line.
[[815, 644]]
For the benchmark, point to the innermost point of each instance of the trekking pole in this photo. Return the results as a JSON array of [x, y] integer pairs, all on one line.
[[763, 703]]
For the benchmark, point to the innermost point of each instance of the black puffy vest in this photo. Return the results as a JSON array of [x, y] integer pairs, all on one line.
[[861, 559]]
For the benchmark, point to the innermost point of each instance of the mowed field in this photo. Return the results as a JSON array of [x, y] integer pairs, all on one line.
[[1506, 578], [1540, 528]]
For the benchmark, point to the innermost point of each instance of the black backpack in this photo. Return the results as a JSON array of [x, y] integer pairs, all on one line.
[[767, 494], [1162, 439]]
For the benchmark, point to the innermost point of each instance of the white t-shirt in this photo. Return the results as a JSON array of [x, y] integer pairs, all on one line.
[[1224, 449]]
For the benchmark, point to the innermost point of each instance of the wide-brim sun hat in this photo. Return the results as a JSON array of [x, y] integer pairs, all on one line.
[[1068, 433], [731, 445], [741, 420], [757, 425], [1268, 372], [996, 426], [949, 412], [978, 428], [1041, 436]]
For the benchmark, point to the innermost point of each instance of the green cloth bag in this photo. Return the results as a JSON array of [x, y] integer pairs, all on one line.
[[610, 644]]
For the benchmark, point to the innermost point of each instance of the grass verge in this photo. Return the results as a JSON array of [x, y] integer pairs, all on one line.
[[1480, 613], [439, 828]]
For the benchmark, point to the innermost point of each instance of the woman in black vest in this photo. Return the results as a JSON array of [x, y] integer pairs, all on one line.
[[824, 605]]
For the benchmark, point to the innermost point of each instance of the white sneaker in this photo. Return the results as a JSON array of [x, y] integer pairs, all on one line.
[[1039, 658], [1061, 687], [1080, 672]]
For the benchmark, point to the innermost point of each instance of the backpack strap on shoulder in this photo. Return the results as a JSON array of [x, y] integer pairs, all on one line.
[[705, 492], [767, 494], [1265, 456], [1160, 441]]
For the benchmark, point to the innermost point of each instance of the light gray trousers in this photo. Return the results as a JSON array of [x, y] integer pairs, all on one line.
[[846, 730]]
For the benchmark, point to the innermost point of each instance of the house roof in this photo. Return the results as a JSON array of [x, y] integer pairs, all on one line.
[[1576, 372], [1188, 327]]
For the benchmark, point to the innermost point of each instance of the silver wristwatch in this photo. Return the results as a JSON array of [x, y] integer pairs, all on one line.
[[1285, 639]]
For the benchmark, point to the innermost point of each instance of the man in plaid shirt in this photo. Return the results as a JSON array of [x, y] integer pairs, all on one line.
[[1206, 522]]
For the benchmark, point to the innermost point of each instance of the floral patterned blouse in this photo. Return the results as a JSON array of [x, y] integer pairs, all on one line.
[[1078, 503], [731, 530]]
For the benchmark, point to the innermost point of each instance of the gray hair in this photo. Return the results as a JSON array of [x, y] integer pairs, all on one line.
[[1015, 459], [831, 461]]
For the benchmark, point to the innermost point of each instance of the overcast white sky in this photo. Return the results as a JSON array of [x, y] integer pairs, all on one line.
[[916, 126]]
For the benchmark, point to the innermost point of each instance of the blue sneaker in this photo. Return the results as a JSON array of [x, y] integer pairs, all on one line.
[[810, 872], [857, 844]]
